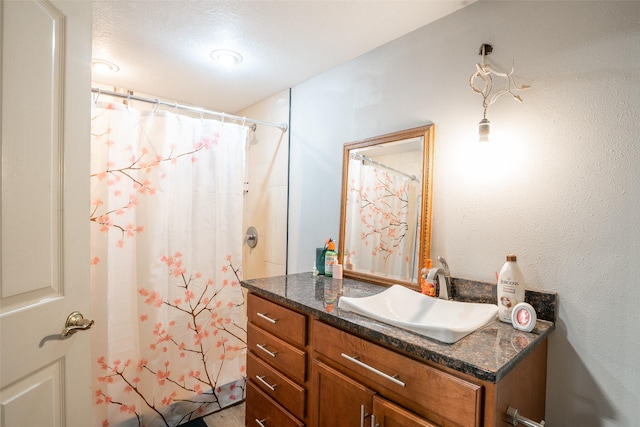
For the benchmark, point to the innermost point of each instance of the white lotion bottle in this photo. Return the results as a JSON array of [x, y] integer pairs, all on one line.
[[510, 288]]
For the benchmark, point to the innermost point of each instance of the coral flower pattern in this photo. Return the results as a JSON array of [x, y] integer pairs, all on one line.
[[380, 218], [170, 335], [207, 324]]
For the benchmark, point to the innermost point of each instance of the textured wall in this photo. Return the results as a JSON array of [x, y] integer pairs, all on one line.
[[558, 185]]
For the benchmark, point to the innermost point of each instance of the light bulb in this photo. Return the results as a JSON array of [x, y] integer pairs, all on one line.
[[484, 128]]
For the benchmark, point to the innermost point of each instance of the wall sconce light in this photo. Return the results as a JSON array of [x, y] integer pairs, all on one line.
[[485, 73]]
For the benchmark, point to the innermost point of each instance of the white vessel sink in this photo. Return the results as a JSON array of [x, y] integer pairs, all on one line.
[[446, 321]]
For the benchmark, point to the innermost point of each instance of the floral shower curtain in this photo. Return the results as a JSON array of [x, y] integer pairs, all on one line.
[[167, 199], [381, 221]]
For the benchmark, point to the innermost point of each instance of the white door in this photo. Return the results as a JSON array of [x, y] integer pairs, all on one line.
[[45, 122]]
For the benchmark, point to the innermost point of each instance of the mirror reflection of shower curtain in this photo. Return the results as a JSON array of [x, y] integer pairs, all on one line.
[[170, 334], [381, 220]]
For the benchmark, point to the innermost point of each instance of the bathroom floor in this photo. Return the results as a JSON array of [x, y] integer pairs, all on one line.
[[228, 417]]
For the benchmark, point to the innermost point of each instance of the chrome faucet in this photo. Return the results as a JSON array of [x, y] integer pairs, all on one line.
[[441, 279], [445, 267]]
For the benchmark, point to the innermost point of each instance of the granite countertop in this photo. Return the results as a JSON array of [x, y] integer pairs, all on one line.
[[487, 354]]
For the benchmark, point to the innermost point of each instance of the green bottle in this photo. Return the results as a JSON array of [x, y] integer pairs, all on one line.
[[330, 258]]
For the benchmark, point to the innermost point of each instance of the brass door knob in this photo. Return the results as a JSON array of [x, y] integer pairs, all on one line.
[[75, 322]]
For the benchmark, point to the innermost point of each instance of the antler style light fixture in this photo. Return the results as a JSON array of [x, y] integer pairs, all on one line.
[[485, 73]]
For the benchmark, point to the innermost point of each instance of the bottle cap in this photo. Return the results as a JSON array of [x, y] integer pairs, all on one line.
[[331, 245], [511, 257]]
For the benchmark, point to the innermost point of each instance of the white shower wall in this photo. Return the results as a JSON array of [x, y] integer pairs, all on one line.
[[265, 203]]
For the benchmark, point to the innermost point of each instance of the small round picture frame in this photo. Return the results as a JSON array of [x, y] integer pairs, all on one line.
[[523, 317]]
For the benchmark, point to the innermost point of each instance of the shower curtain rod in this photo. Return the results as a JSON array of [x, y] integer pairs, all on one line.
[[130, 97], [365, 159]]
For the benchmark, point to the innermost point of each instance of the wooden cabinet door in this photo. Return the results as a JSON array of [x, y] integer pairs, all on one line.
[[340, 401], [388, 414]]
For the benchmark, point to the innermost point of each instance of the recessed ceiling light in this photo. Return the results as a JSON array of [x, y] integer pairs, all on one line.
[[103, 66], [226, 58]]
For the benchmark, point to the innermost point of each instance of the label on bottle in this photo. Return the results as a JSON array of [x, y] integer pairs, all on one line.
[[510, 290]]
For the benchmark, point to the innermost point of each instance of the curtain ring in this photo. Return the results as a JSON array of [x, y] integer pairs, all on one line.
[[128, 98], [175, 106], [222, 122], [202, 114], [244, 119], [156, 105]]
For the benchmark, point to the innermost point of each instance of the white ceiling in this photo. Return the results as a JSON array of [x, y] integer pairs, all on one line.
[[163, 46]]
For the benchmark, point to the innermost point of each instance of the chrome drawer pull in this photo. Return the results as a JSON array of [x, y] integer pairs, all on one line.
[[261, 379], [363, 415], [267, 318], [514, 418], [263, 347], [261, 422], [394, 379]]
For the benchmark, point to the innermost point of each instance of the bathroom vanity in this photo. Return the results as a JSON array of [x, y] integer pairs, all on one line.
[[312, 364]]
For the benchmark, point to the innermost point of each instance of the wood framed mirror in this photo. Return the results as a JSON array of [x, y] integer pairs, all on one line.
[[385, 217]]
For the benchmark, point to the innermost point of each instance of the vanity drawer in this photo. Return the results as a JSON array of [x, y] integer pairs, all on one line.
[[277, 386], [285, 357], [262, 411], [428, 391], [277, 320]]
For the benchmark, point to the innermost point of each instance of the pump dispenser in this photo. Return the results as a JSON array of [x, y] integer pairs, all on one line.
[[510, 288], [330, 258]]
